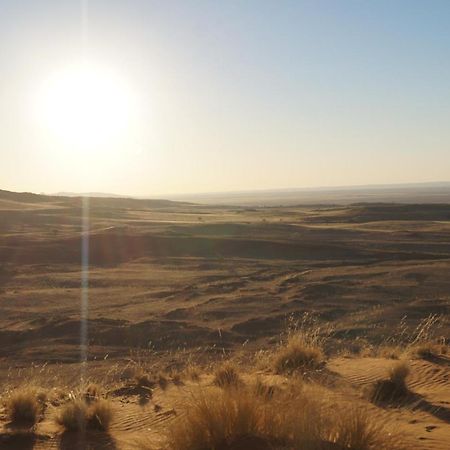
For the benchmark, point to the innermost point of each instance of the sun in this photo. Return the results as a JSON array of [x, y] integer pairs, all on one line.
[[85, 106]]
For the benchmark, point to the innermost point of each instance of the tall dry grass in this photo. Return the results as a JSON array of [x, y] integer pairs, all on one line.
[[299, 419]]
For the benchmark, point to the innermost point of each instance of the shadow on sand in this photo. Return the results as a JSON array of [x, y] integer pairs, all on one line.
[[414, 402], [87, 440], [18, 440]]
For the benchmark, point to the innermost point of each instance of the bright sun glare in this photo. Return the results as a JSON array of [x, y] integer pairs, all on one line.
[[85, 106]]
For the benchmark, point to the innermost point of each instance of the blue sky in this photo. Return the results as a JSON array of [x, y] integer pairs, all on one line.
[[235, 95]]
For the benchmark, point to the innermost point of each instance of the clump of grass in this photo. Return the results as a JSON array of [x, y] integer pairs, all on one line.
[[239, 419], [227, 376], [355, 429], [300, 352], [24, 407], [73, 415], [399, 373], [77, 415], [394, 387], [218, 419]]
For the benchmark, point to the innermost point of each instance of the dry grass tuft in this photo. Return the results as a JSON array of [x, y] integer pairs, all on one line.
[[300, 352], [217, 419], [393, 388], [73, 415], [227, 376], [78, 415], [398, 373], [24, 407], [355, 429], [239, 419]]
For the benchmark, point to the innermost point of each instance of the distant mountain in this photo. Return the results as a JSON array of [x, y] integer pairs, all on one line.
[[435, 192], [95, 201], [90, 194]]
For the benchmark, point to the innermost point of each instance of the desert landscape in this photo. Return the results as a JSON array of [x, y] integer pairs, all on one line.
[[189, 300], [224, 225]]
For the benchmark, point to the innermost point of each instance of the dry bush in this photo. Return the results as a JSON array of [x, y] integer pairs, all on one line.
[[227, 376], [394, 387], [77, 415], [24, 407], [300, 352], [239, 419]]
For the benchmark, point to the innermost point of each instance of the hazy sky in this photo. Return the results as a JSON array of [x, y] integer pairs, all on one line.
[[231, 95]]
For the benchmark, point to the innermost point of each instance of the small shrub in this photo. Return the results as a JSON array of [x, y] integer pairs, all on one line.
[[227, 376], [299, 353], [23, 407]]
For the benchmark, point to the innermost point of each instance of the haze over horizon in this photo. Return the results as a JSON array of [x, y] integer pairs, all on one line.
[[142, 98]]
